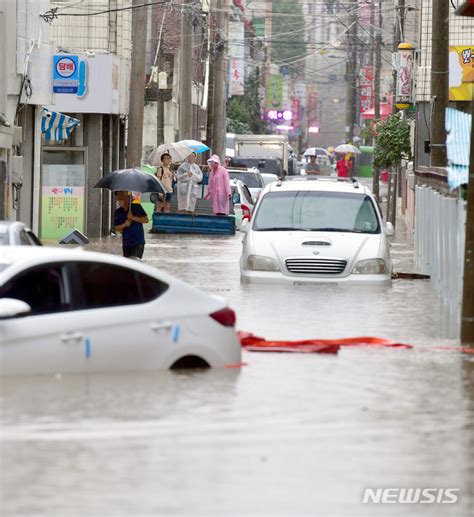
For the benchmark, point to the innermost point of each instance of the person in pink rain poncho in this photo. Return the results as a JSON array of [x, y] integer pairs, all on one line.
[[219, 186]]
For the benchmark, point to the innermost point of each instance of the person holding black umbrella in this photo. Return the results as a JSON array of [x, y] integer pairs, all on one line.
[[129, 219]]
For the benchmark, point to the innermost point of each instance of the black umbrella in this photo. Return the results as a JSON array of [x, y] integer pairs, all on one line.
[[133, 180]]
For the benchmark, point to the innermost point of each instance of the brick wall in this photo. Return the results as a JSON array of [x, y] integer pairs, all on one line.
[[171, 37]]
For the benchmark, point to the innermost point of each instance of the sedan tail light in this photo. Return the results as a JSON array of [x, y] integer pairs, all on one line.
[[225, 317], [246, 213]]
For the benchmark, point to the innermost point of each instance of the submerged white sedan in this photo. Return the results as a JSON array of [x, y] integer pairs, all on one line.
[[317, 230], [64, 311]]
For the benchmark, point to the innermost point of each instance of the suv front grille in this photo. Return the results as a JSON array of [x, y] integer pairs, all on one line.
[[316, 266]]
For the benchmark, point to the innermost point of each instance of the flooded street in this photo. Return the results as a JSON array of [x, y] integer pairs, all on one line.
[[288, 434]]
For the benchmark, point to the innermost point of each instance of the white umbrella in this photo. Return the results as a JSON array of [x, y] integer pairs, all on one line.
[[315, 151], [347, 148], [178, 152]]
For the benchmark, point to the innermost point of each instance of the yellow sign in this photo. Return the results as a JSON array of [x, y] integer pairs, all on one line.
[[461, 73]]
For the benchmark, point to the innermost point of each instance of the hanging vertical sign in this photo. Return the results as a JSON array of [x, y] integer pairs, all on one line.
[[275, 92], [404, 90], [312, 107], [366, 88], [236, 58]]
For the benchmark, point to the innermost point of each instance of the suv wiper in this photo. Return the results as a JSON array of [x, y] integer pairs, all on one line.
[[280, 229], [329, 229]]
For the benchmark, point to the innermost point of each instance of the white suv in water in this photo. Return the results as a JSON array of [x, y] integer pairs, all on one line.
[[317, 230]]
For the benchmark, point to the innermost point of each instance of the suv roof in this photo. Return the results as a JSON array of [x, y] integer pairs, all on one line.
[[319, 183]]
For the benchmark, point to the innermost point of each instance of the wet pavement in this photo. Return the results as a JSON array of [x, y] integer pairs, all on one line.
[[288, 434]]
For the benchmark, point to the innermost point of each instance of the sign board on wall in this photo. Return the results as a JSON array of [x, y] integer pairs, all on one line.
[[65, 74], [461, 73], [62, 210], [99, 81], [367, 88], [62, 200]]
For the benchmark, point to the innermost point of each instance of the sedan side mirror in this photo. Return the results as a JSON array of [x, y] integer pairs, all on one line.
[[11, 308], [389, 230]]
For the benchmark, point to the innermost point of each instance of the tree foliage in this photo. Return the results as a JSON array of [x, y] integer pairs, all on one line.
[[244, 111], [392, 141], [288, 36]]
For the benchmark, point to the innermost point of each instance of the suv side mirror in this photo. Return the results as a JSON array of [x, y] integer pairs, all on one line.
[[389, 229], [236, 198], [11, 308]]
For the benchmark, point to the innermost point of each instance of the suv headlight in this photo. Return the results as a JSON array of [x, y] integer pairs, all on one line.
[[259, 263], [369, 267]]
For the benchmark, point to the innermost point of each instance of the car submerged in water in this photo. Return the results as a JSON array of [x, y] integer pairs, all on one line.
[[75, 311], [314, 230]]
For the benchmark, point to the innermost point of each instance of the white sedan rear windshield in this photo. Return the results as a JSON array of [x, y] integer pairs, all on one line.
[[317, 211]]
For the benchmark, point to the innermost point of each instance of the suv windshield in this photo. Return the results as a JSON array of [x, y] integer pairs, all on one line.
[[317, 211], [250, 179]]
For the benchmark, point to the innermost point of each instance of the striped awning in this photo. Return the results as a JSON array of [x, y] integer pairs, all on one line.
[[57, 126]]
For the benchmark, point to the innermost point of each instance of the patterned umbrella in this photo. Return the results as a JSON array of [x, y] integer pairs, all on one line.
[[195, 145]]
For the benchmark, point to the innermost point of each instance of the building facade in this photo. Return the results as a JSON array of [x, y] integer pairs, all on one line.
[[47, 181]]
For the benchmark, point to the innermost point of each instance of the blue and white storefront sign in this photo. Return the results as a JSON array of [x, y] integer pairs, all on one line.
[[65, 73]]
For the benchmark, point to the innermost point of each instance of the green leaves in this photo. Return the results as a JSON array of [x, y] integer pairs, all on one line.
[[288, 34], [392, 141]]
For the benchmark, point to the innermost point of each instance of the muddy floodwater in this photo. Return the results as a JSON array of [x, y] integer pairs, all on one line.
[[287, 434]]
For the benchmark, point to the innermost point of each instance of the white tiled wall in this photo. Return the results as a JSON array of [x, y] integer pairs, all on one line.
[[107, 32], [461, 32]]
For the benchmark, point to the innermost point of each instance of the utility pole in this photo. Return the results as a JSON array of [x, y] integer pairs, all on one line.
[[467, 315], [159, 63], [186, 72], [351, 76], [378, 68], [220, 73], [268, 44], [439, 81], [137, 85]]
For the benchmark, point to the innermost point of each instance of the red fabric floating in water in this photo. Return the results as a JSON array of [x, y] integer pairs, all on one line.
[[331, 346], [325, 346], [302, 349]]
